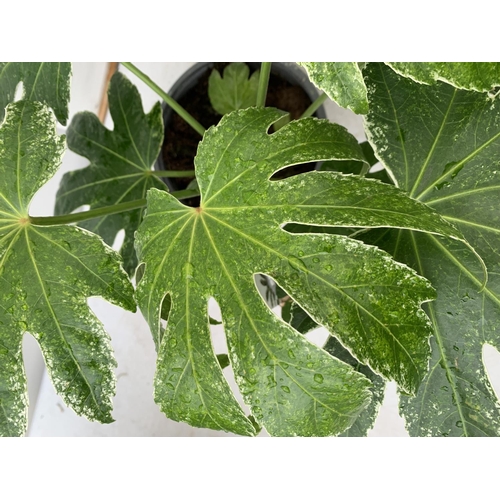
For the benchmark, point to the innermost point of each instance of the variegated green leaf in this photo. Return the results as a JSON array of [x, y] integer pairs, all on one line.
[[442, 145], [479, 76], [46, 82], [215, 250], [120, 164], [342, 82], [46, 277]]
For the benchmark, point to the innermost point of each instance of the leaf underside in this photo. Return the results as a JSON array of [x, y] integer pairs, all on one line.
[[356, 291], [47, 82], [342, 82], [46, 276], [120, 164], [442, 145]]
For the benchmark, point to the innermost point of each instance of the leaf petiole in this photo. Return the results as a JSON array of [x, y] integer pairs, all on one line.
[[169, 100], [314, 106], [100, 212], [265, 71]]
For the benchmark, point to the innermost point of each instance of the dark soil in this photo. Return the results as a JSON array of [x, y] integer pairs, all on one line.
[[181, 141]]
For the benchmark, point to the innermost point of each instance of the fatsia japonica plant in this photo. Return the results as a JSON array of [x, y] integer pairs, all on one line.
[[401, 265]]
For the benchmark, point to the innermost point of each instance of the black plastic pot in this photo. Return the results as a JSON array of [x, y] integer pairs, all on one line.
[[290, 72]]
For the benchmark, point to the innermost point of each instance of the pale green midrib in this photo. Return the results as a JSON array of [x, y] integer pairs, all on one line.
[[491, 294], [433, 147], [462, 193], [114, 153], [15, 237], [16, 211], [102, 181], [282, 257], [187, 329], [236, 135], [439, 339], [429, 376], [164, 228], [146, 167], [470, 223], [249, 316], [399, 131], [71, 255], [35, 81], [56, 322], [4, 68], [159, 271], [456, 167], [278, 153], [18, 159]]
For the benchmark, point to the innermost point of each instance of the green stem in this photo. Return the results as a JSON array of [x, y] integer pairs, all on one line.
[[171, 102], [315, 105], [173, 173], [265, 71], [364, 170], [100, 212]]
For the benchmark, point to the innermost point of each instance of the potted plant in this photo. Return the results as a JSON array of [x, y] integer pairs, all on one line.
[[399, 266]]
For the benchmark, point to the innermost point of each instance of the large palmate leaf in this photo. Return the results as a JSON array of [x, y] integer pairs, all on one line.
[[120, 164], [478, 76], [342, 82], [443, 146], [47, 82], [234, 90], [369, 301], [46, 276]]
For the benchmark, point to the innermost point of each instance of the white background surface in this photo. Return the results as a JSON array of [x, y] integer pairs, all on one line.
[[135, 412]]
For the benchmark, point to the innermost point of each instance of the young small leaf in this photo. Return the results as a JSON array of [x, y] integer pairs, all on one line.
[[479, 76], [451, 161], [215, 250], [342, 82], [234, 90], [47, 275], [120, 164], [46, 82]]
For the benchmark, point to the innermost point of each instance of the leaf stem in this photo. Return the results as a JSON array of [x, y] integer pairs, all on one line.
[[169, 100], [315, 105], [100, 212], [173, 173], [265, 71]]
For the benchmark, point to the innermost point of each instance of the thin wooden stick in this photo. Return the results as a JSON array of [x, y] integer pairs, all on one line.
[[103, 106]]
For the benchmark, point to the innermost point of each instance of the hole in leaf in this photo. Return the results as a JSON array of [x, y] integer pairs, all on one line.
[[166, 304], [19, 93], [269, 292], [139, 273], [491, 362], [119, 239], [217, 336], [388, 422], [219, 346], [291, 170], [318, 336]]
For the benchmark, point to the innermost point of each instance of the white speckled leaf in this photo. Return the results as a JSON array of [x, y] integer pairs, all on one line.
[[120, 164], [366, 299], [479, 76], [442, 145], [46, 276], [47, 82], [342, 82]]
